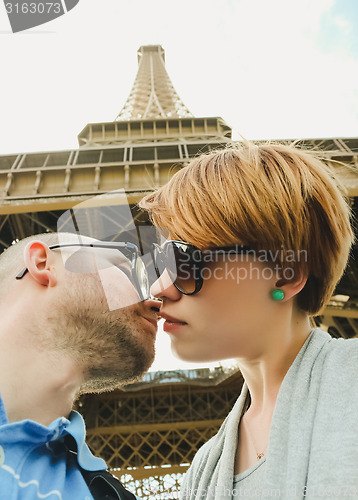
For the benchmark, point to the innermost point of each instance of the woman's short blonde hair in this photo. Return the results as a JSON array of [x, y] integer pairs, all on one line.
[[272, 197]]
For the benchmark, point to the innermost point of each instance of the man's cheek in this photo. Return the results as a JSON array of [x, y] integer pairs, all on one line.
[[117, 288]]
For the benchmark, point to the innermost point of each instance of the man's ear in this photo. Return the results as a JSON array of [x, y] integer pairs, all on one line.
[[40, 263]]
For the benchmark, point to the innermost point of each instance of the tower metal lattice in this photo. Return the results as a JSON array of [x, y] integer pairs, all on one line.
[[149, 432], [153, 94]]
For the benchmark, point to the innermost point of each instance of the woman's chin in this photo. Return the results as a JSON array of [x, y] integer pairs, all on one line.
[[192, 356]]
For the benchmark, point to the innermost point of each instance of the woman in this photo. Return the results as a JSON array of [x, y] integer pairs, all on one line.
[[262, 236]]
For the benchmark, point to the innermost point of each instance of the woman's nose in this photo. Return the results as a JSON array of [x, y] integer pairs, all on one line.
[[164, 287]]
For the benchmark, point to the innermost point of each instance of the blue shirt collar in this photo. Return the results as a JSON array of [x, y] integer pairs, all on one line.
[[32, 433], [77, 430]]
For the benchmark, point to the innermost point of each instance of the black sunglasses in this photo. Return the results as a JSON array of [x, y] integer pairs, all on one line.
[[184, 263], [137, 273]]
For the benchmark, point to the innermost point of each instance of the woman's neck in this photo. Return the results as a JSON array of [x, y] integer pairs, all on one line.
[[264, 374]]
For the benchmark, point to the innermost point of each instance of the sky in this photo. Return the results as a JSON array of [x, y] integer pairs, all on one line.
[[269, 68], [272, 69]]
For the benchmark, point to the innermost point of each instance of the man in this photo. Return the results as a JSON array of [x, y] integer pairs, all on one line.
[[59, 339]]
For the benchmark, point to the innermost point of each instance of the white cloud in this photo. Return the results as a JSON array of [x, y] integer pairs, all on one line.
[[343, 24]]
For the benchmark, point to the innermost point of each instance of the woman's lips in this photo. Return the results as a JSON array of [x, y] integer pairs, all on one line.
[[172, 324], [171, 319]]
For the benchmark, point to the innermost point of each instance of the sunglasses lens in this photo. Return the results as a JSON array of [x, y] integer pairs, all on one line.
[[142, 276], [187, 259], [86, 260], [182, 263]]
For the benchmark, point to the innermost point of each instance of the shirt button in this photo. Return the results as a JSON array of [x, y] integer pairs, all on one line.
[[2, 456]]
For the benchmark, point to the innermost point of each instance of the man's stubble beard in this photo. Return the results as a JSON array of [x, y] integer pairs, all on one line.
[[111, 346]]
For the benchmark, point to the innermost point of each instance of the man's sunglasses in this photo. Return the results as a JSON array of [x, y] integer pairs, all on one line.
[[184, 263], [135, 270]]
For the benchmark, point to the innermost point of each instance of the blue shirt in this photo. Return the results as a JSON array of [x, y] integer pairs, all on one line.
[[35, 463]]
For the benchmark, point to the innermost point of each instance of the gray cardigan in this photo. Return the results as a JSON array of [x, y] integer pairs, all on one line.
[[313, 444]]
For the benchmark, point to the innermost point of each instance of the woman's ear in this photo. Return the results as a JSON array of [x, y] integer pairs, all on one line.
[[291, 287], [40, 263]]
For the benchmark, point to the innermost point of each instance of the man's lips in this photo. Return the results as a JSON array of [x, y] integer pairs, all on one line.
[[151, 320]]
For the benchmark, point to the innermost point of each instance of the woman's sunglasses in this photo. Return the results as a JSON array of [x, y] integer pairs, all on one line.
[[185, 263]]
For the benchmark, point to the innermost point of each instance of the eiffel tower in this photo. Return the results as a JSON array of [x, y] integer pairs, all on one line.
[[153, 94], [149, 432], [152, 137]]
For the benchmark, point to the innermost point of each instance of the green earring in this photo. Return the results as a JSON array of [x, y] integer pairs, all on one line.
[[277, 294]]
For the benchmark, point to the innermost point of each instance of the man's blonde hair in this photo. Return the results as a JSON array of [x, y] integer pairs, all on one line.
[[272, 197]]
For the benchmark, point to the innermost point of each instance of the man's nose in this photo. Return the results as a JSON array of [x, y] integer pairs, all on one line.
[[153, 303]]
